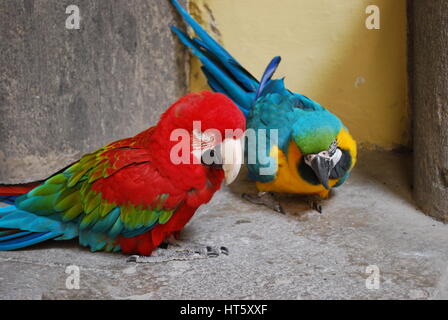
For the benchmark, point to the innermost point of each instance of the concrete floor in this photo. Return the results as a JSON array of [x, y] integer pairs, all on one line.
[[371, 220]]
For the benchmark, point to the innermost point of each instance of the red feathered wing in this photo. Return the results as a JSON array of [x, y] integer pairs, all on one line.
[[117, 195]]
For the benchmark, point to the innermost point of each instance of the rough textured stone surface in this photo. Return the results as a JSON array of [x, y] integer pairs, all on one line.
[[429, 34], [66, 92], [371, 220]]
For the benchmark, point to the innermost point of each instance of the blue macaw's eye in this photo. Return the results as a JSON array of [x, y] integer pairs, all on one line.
[[307, 173], [309, 158]]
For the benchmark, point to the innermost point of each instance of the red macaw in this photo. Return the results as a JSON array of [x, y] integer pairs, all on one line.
[[130, 195]]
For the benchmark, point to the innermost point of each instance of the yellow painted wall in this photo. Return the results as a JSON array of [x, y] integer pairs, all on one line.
[[328, 55]]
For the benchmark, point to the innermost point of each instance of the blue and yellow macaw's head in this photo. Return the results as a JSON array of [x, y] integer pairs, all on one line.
[[328, 151]]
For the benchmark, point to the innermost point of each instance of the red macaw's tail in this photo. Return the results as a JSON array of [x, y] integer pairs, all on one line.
[[12, 235], [9, 192]]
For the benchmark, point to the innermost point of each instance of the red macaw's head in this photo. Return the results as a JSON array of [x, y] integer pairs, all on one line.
[[205, 129]]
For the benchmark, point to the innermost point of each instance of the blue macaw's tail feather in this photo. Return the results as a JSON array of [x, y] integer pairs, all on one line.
[[217, 75], [268, 73], [216, 86], [208, 43], [223, 72], [20, 229]]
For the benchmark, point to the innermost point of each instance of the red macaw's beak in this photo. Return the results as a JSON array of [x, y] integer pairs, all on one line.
[[232, 158]]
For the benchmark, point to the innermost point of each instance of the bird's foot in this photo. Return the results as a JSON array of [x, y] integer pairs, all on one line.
[[265, 198], [182, 253], [173, 242], [315, 205]]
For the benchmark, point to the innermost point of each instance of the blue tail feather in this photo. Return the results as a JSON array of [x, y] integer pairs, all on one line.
[[224, 73], [24, 229], [234, 91], [12, 235], [8, 199], [207, 42], [27, 240], [214, 84]]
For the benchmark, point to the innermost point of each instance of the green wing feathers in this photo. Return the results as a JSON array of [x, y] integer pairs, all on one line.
[[68, 196]]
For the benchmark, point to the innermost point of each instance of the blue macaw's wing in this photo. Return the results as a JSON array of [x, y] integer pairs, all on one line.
[[269, 124]]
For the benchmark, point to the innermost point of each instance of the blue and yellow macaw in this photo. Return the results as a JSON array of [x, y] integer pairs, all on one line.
[[312, 151]]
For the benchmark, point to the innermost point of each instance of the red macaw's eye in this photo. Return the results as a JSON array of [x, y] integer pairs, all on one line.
[[212, 158]]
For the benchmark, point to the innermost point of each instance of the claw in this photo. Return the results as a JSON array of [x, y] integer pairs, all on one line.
[[279, 209], [180, 253], [211, 252], [315, 205], [164, 245], [133, 258], [265, 198]]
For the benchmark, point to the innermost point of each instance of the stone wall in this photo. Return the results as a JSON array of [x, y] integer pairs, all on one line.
[[429, 74], [65, 92]]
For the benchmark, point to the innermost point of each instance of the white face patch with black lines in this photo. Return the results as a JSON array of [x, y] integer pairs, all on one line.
[[333, 153], [201, 143], [333, 148]]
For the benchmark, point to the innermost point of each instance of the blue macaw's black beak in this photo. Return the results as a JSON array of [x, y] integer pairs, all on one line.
[[322, 168]]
